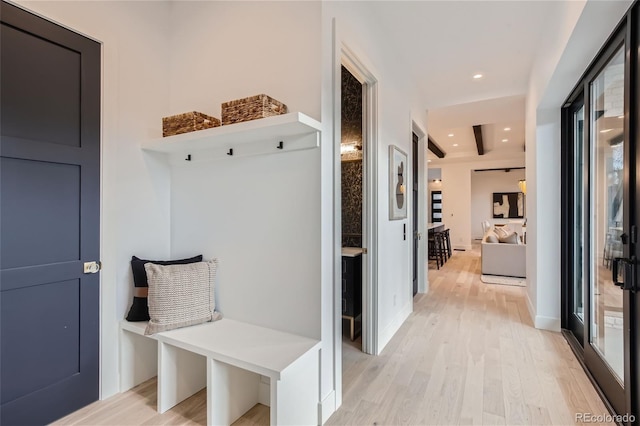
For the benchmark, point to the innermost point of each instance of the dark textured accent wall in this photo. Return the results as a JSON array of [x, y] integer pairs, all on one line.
[[352, 204], [352, 161], [351, 108]]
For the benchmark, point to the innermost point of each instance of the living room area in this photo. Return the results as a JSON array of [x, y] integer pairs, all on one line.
[[477, 185]]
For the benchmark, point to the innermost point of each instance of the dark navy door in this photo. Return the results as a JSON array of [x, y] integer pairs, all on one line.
[[49, 218], [416, 194]]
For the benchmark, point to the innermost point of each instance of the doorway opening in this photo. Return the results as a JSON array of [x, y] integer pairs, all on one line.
[[346, 59], [352, 149], [434, 206], [359, 107]]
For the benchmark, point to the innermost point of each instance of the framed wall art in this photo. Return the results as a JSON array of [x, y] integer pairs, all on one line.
[[508, 205], [397, 183]]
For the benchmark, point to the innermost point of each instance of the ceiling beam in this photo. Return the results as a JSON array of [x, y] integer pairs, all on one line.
[[506, 169], [433, 147], [477, 132]]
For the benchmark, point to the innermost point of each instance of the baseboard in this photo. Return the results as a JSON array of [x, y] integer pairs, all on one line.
[[547, 323], [390, 330], [541, 322], [327, 407]]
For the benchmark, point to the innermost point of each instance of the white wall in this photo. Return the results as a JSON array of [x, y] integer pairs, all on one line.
[[259, 215], [135, 188], [456, 203], [222, 51], [483, 185], [574, 36]]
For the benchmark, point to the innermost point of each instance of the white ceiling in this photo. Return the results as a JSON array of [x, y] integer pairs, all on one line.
[[446, 42], [493, 115]]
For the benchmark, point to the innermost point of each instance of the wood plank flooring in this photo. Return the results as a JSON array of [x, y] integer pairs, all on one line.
[[467, 355]]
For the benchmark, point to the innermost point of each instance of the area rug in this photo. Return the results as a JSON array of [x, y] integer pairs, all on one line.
[[497, 279]]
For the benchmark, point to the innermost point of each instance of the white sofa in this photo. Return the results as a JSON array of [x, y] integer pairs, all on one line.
[[503, 259]]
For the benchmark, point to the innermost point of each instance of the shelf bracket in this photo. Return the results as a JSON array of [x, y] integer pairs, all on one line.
[[230, 151], [188, 158], [280, 145]]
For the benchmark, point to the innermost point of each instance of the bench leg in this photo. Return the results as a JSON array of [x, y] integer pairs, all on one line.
[[231, 392], [138, 359], [295, 397], [180, 374]]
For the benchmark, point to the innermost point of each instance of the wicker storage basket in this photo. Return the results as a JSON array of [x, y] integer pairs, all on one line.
[[251, 108], [187, 122]]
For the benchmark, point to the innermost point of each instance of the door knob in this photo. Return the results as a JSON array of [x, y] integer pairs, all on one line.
[[92, 267]]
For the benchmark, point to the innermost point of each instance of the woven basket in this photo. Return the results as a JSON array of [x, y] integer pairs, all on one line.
[[187, 122], [251, 108]]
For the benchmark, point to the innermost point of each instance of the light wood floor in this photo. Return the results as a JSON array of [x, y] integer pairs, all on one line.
[[467, 355]]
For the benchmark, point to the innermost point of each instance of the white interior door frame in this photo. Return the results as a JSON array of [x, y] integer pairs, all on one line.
[[343, 55], [423, 277], [349, 60]]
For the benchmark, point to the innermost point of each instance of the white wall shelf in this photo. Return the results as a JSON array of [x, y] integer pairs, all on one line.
[[296, 131]]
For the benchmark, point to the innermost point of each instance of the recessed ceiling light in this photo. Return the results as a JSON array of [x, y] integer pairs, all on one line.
[[477, 76], [455, 144], [450, 135], [428, 161], [621, 116], [505, 140], [506, 129], [605, 130]]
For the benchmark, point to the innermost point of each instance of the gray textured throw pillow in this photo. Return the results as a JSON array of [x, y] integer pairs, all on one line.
[[492, 238], [510, 239], [181, 295]]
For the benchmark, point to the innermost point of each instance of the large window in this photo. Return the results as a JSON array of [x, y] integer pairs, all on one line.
[[599, 160], [606, 168]]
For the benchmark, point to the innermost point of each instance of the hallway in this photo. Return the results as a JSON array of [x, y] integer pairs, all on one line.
[[467, 355]]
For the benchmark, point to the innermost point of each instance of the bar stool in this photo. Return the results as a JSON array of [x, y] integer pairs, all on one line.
[[447, 240], [437, 248]]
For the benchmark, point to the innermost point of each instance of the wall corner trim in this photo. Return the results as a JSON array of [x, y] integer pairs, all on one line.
[[547, 323], [327, 407], [530, 308], [541, 322]]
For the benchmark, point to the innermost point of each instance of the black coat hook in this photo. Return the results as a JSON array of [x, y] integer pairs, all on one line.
[[188, 158], [230, 151], [280, 145]]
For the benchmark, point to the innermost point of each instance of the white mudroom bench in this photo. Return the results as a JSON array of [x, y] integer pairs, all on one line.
[[232, 359]]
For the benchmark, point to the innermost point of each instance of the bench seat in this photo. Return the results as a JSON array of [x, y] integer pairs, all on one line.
[[230, 358]]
